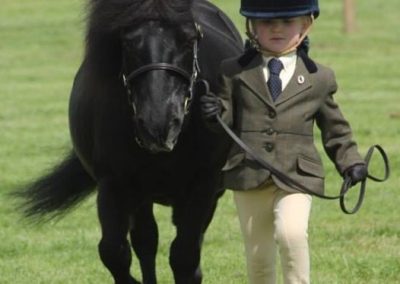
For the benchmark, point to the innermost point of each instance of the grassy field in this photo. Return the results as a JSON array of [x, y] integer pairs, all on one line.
[[41, 46]]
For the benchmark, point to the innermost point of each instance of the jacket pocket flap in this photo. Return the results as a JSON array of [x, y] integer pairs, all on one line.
[[233, 161], [310, 167]]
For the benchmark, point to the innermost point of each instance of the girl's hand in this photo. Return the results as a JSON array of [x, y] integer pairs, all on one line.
[[210, 106], [357, 173]]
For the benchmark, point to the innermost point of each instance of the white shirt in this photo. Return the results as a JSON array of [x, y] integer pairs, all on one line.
[[289, 65]]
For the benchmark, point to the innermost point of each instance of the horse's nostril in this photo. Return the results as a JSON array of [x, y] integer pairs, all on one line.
[[139, 142]]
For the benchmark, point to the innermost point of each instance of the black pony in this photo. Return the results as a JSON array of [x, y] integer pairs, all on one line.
[[137, 132]]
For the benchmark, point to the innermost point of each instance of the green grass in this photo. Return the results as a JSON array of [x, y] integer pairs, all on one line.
[[41, 46]]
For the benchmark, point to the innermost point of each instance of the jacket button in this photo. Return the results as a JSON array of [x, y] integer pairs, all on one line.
[[270, 131], [269, 147], [272, 114]]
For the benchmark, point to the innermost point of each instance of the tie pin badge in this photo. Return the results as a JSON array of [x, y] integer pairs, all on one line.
[[300, 79]]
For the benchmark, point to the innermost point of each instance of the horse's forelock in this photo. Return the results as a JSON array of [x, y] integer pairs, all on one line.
[[107, 19]]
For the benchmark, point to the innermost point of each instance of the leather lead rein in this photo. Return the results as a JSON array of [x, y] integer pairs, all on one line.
[[346, 185]]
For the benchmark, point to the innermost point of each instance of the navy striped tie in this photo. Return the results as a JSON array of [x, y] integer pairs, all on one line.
[[274, 83]]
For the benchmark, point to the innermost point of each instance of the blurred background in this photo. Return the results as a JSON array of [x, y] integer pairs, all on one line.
[[41, 47]]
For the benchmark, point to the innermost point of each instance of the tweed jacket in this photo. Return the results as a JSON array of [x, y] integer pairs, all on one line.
[[281, 132]]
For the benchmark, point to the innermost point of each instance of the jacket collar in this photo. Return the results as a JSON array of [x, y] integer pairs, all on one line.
[[253, 77], [299, 82]]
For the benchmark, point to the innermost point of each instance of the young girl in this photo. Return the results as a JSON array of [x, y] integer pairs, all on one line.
[[271, 98]]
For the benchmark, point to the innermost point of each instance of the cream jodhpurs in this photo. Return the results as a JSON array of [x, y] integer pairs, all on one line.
[[270, 218]]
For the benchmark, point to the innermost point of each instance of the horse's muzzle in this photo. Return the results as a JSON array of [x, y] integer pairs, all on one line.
[[156, 148]]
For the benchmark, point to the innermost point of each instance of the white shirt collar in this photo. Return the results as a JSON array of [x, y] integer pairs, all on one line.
[[287, 60], [289, 66]]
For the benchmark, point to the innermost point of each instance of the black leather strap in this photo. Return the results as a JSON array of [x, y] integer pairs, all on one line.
[[347, 182], [159, 66], [301, 188]]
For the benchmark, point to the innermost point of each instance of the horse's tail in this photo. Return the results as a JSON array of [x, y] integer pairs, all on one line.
[[58, 191]]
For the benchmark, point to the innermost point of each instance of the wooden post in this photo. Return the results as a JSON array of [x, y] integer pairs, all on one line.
[[349, 16]]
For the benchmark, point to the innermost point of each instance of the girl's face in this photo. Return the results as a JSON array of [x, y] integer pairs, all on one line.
[[279, 35]]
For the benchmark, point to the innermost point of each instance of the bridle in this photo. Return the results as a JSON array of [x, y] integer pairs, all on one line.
[[186, 75]]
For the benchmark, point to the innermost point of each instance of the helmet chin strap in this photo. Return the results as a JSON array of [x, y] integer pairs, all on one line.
[[266, 52]]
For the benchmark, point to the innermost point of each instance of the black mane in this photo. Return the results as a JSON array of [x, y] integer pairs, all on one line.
[[106, 19]]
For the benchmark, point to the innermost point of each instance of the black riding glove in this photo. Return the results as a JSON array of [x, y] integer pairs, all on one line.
[[357, 173], [210, 106]]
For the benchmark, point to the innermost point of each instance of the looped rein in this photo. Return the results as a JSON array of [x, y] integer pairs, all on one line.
[[301, 188], [347, 181]]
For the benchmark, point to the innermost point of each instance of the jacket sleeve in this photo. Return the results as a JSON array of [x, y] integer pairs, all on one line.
[[336, 132], [225, 95]]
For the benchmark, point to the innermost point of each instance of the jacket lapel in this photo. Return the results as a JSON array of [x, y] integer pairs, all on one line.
[[299, 82], [253, 77]]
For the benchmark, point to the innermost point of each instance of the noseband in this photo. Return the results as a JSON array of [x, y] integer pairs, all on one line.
[[189, 77]]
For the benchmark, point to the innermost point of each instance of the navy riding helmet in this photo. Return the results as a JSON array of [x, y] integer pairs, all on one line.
[[270, 9]]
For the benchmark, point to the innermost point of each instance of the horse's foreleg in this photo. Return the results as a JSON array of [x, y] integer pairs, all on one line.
[[191, 219], [114, 248], [144, 239]]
